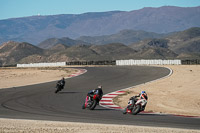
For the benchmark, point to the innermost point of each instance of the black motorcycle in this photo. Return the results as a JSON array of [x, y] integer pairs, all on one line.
[[58, 88]]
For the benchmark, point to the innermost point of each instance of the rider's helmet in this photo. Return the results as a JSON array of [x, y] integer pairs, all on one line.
[[63, 78], [99, 87], [143, 92], [143, 95], [100, 91]]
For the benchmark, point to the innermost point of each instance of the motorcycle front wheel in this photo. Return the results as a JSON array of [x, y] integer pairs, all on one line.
[[136, 109], [83, 106], [124, 111], [57, 89], [93, 105]]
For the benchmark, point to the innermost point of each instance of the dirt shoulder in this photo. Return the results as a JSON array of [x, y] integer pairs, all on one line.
[[36, 126], [184, 82], [177, 94], [14, 77]]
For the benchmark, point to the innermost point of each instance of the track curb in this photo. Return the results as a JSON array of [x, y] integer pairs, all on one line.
[[107, 99], [80, 72]]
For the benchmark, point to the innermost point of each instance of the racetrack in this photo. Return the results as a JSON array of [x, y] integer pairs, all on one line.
[[40, 101]]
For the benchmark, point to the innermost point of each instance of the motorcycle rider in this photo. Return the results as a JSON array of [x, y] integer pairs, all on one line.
[[61, 83], [97, 91], [142, 95]]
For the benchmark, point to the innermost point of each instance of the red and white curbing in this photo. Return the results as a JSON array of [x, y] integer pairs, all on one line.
[[107, 99], [80, 72]]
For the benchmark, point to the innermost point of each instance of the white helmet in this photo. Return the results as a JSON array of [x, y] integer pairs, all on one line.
[[99, 87]]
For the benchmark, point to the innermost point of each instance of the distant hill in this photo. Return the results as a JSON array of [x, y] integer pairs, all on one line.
[[187, 34], [185, 43], [156, 53], [46, 44], [12, 52], [182, 45], [149, 43], [35, 29], [113, 51], [58, 47], [124, 36]]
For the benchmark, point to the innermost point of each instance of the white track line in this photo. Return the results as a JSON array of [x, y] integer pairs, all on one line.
[[107, 99], [108, 102]]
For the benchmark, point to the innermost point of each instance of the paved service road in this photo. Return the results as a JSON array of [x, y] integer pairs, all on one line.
[[39, 101]]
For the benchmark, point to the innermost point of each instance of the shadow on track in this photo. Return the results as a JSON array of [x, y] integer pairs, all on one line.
[[65, 92], [103, 109]]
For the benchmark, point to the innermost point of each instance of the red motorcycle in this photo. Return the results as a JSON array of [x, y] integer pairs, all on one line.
[[91, 102]]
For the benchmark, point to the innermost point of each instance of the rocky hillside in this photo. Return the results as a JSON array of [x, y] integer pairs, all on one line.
[[35, 29], [12, 52], [46, 44], [186, 43], [183, 45], [124, 36]]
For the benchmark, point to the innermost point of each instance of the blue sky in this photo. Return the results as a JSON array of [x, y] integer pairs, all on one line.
[[22, 8]]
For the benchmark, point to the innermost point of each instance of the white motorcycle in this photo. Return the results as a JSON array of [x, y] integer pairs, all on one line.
[[135, 106]]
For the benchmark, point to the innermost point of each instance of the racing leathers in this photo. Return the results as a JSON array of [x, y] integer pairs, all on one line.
[[61, 83], [141, 96], [98, 92]]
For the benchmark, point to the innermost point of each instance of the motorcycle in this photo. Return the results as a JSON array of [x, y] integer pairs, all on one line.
[[135, 106], [91, 102], [58, 88]]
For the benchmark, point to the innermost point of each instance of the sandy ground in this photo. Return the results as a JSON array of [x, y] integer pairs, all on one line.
[[177, 94], [170, 95], [14, 77], [35, 126]]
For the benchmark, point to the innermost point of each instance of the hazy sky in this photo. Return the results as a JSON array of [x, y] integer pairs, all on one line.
[[21, 8]]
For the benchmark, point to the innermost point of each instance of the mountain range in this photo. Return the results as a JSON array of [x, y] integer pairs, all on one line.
[[186, 43], [178, 45], [48, 43], [123, 36], [35, 29]]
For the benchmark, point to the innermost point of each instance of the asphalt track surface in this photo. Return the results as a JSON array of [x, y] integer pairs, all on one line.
[[39, 102]]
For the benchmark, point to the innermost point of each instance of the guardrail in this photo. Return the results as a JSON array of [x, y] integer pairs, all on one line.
[[190, 62], [68, 63], [115, 62], [42, 64], [112, 62], [148, 62]]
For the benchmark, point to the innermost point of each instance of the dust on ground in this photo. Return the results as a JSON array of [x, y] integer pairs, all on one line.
[[177, 94], [171, 95], [36, 126], [14, 77]]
